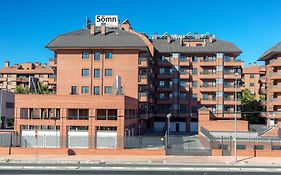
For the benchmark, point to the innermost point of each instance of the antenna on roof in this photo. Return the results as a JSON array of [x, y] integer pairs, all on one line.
[[88, 23]]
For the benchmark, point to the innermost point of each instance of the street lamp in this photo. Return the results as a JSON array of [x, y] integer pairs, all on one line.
[[235, 116], [168, 129]]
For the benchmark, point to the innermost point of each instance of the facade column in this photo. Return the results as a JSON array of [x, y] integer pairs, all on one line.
[[63, 128], [120, 128], [92, 128]]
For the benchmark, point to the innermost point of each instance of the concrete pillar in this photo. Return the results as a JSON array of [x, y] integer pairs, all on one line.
[[120, 128]]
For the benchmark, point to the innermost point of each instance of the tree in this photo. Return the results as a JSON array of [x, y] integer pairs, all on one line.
[[251, 107], [22, 90], [43, 89]]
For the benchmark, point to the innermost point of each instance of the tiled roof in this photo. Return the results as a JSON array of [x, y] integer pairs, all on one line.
[[84, 39], [19, 70], [217, 46], [273, 50]]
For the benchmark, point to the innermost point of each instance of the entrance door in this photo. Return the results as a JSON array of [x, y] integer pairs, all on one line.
[[177, 127]]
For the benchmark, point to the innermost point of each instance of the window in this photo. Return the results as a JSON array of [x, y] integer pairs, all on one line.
[[198, 45], [226, 58], [97, 73], [108, 72], [194, 71], [205, 83], [252, 84], [194, 96], [226, 84], [85, 72], [108, 55], [226, 71], [161, 83], [73, 90], [182, 83], [205, 71], [205, 96], [259, 147], [194, 84], [85, 89], [97, 56], [96, 90], [252, 76], [85, 55], [194, 58], [108, 89], [241, 146], [194, 109], [161, 96]]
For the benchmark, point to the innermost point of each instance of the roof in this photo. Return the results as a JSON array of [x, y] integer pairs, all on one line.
[[17, 69], [217, 46], [114, 38], [272, 51]]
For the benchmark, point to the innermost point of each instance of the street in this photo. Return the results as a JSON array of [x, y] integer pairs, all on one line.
[[102, 172]]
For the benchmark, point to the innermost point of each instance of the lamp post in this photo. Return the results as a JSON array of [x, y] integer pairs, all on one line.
[[168, 129], [235, 117]]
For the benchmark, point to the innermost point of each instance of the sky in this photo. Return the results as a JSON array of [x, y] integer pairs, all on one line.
[[26, 26]]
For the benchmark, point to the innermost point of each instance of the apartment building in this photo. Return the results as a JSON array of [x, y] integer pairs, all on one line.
[[193, 71], [272, 60], [254, 79], [25, 75], [104, 79]]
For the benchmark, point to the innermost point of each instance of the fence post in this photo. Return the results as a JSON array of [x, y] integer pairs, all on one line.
[[11, 143]]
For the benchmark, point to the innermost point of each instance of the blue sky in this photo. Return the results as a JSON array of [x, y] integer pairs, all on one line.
[[27, 26]]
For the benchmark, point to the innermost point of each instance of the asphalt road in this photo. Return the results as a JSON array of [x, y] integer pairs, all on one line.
[[101, 172]]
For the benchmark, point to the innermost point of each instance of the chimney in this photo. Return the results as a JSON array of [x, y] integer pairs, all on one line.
[[211, 39], [169, 39], [126, 27], [103, 29], [155, 36], [7, 64], [92, 29], [181, 43]]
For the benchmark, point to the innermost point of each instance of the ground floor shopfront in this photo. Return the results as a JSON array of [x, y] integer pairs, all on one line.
[[53, 121]]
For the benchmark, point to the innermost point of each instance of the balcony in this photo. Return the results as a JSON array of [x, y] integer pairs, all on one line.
[[275, 63], [143, 96], [165, 75], [275, 75], [262, 79], [142, 79], [232, 88], [164, 88], [208, 88], [165, 62], [275, 88], [3, 79], [3, 86], [208, 75], [233, 62], [165, 100], [184, 74], [22, 79], [208, 101], [142, 62], [208, 62], [231, 101], [112, 117], [184, 61], [231, 75]]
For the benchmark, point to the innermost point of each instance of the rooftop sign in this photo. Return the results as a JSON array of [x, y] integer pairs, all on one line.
[[107, 20]]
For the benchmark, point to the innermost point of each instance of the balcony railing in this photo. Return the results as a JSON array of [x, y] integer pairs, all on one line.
[[78, 117], [183, 59], [111, 117], [208, 60], [205, 99], [142, 94], [208, 73]]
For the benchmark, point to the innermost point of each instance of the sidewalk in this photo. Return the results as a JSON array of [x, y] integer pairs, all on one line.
[[196, 160]]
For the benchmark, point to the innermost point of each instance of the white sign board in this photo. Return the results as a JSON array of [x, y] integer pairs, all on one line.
[[107, 20]]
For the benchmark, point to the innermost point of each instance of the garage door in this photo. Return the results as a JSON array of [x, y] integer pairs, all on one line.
[[159, 126], [45, 139], [78, 139], [106, 139]]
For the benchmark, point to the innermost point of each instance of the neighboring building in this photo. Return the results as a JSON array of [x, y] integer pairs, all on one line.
[[7, 102], [23, 75], [194, 71], [272, 59], [254, 80]]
